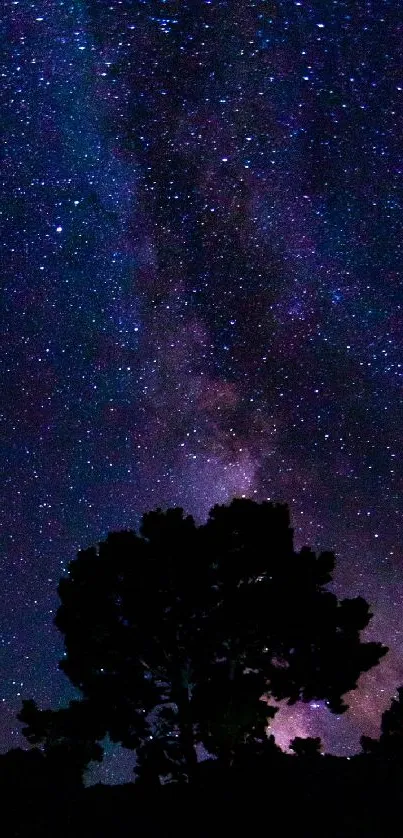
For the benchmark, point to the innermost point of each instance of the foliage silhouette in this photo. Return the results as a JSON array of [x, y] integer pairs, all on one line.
[[176, 634], [307, 747], [67, 737], [390, 743]]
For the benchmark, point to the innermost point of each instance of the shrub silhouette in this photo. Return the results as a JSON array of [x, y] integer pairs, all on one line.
[[390, 743], [307, 747], [67, 738]]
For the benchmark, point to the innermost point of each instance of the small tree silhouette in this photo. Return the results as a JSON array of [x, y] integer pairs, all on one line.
[[67, 738], [390, 743], [174, 635], [306, 747]]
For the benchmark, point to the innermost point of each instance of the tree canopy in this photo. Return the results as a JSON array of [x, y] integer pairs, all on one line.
[[179, 634]]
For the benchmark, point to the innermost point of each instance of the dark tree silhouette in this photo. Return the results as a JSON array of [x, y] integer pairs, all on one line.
[[307, 747], [390, 742], [67, 738], [175, 635]]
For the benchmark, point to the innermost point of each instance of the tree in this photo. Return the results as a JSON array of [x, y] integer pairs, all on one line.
[[390, 743], [309, 746], [175, 634], [67, 738]]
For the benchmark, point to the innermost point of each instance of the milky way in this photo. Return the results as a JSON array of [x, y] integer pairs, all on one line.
[[201, 215]]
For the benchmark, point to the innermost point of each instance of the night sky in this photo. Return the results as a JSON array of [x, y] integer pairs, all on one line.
[[201, 247]]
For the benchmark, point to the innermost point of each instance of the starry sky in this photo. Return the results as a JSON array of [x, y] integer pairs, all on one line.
[[201, 246]]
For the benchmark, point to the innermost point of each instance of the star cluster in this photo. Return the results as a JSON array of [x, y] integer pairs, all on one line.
[[201, 256]]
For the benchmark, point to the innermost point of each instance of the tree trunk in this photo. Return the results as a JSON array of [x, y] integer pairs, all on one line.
[[185, 724], [188, 747]]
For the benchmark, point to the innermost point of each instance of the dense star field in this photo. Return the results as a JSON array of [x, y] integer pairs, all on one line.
[[201, 246]]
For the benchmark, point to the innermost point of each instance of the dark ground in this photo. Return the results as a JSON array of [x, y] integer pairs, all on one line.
[[323, 796]]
